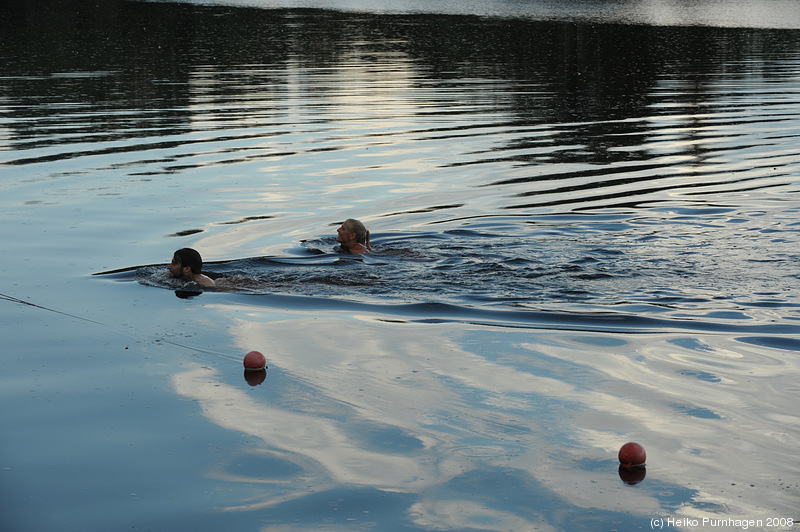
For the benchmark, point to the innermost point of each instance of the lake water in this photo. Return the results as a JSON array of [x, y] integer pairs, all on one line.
[[585, 220]]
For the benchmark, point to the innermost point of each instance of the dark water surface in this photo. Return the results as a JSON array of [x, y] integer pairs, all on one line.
[[586, 225]]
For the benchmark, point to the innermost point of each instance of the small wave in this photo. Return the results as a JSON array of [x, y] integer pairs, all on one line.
[[508, 278]]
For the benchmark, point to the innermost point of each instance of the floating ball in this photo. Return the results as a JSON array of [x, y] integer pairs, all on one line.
[[254, 361], [632, 455]]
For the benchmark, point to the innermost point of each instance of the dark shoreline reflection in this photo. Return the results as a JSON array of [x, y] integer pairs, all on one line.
[[101, 58], [160, 88]]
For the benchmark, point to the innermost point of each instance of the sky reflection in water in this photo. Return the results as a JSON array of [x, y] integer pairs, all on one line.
[[425, 410]]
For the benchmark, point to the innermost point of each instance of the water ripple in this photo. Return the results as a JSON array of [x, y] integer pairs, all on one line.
[[666, 185]]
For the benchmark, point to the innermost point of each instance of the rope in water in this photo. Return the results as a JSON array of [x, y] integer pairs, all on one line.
[[23, 302], [126, 332]]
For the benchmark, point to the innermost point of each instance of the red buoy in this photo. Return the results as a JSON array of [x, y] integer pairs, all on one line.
[[632, 455], [254, 361]]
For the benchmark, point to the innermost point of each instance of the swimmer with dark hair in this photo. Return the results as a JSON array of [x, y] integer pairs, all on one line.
[[187, 265], [353, 237]]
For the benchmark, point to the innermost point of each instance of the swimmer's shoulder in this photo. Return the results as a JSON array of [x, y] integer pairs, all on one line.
[[204, 280]]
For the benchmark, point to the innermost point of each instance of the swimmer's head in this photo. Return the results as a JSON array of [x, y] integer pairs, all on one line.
[[356, 228], [186, 258]]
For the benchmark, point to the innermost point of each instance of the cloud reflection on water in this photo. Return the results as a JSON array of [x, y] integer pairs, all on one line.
[[547, 409]]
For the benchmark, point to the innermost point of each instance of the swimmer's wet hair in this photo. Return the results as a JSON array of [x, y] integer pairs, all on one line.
[[191, 258], [362, 235]]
